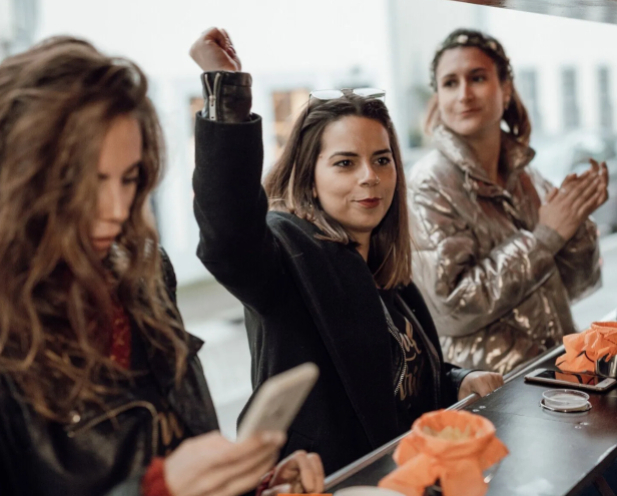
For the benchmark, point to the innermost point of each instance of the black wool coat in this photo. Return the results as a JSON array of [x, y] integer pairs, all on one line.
[[305, 300]]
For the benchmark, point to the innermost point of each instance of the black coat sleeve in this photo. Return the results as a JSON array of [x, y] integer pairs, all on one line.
[[235, 243]]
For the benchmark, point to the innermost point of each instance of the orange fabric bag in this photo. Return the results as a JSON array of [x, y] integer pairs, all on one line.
[[423, 458], [583, 349]]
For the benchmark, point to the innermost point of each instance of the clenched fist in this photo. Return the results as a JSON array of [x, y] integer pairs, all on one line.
[[214, 51]]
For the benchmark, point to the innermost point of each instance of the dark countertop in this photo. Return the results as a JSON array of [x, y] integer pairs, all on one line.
[[550, 453]]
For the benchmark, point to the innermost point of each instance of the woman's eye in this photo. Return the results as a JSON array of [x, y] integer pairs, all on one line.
[[343, 163], [449, 84], [479, 79], [130, 180], [384, 160]]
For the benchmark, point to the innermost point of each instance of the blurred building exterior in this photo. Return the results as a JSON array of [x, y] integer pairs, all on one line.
[[565, 69], [17, 25]]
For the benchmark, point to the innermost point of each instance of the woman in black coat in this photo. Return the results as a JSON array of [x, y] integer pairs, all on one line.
[[101, 390], [321, 260]]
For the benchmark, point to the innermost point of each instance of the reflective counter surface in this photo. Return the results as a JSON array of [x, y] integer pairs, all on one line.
[[550, 453]]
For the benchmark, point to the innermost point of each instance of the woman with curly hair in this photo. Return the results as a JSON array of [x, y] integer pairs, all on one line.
[[101, 390]]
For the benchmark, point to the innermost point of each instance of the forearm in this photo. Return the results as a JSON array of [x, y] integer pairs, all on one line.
[[454, 378], [230, 204], [465, 293], [579, 262]]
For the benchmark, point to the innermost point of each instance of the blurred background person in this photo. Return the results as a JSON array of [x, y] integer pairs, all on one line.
[[100, 385], [500, 254]]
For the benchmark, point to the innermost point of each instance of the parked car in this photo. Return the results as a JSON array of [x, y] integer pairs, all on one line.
[[559, 156]]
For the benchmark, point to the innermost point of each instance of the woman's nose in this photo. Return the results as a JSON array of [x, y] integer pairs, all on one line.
[[464, 92], [112, 206], [369, 175]]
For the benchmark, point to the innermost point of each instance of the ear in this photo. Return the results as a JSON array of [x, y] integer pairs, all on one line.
[[314, 190], [507, 93]]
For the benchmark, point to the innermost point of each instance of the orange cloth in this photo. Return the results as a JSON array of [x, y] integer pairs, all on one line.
[[583, 349], [422, 458]]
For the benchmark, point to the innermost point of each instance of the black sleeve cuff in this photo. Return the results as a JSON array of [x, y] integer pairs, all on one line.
[[227, 96]]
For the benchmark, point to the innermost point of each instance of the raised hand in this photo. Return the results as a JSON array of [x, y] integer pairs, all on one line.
[[569, 206], [214, 51], [602, 171]]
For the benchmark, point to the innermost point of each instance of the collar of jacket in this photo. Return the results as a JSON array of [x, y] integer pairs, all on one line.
[[453, 147]]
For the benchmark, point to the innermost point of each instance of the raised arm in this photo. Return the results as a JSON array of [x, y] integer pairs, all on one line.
[[578, 258], [230, 204]]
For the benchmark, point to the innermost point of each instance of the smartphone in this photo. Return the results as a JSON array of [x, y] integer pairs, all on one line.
[[278, 401], [579, 381]]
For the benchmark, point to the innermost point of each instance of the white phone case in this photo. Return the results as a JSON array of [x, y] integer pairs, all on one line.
[[278, 401]]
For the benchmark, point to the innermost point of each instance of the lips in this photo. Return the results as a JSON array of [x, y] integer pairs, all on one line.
[[370, 202], [103, 243], [471, 111]]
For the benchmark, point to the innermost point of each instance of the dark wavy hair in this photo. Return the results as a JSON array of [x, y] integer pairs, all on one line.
[[289, 185], [515, 115], [57, 101]]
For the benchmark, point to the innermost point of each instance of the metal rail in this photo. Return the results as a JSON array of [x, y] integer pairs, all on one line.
[[353, 468], [365, 461]]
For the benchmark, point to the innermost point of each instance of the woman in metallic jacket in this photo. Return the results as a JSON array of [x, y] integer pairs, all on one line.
[[500, 253]]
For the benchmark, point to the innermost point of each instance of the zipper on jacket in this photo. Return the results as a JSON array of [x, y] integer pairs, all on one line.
[[396, 335], [433, 354], [212, 95], [117, 411], [404, 367]]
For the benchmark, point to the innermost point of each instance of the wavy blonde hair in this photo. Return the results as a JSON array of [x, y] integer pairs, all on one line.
[[57, 101]]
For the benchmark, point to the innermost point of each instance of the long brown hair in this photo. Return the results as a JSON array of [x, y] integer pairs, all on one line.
[[290, 183], [515, 115], [57, 101]]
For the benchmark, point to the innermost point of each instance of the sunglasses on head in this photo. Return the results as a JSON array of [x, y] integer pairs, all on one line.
[[324, 95]]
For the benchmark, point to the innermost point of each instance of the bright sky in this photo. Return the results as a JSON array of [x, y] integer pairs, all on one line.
[[270, 35]]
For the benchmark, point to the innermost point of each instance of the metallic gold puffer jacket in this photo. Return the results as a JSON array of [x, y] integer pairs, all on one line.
[[498, 285]]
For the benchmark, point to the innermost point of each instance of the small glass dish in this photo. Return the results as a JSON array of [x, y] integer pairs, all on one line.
[[565, 399]]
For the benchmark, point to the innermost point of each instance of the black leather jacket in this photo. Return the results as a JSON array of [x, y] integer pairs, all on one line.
[[104, 451]]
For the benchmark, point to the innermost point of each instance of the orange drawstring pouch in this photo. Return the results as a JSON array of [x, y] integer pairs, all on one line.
[[451, 446], [585, 348]]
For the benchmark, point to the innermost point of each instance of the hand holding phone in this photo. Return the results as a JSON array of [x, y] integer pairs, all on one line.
[[278, 401]]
